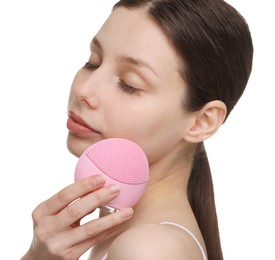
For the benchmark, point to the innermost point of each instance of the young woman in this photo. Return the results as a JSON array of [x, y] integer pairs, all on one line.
[[164, 74]]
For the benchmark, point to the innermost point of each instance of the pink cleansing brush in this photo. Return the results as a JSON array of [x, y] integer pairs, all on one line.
[[121, 162]]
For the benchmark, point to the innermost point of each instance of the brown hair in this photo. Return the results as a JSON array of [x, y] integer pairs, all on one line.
[[215, 46]]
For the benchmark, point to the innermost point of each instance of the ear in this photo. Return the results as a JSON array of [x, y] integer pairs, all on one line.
[[206, 121]]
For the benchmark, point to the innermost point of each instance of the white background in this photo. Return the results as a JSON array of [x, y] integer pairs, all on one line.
[[43, 44]]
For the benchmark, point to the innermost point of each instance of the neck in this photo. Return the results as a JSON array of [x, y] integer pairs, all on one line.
[[165, 198], [166, 190]]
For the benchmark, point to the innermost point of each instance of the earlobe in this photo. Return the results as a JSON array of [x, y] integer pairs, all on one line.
[[206, 121]]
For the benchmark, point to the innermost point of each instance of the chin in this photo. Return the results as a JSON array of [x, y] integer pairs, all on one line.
[[76, 146], [73, 151]]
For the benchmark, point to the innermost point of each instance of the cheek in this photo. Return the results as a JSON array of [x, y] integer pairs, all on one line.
[[155, 122], [155, 130], [123, 116], [124, 123], [161, 138]]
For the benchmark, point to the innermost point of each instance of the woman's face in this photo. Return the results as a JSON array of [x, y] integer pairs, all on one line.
[[130, 88]]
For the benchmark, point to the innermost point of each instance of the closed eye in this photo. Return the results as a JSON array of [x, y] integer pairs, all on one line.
[[125, 88], [90, 66], [128, 89]]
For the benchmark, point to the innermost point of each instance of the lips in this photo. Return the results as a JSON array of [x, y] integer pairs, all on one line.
[[78, 126]]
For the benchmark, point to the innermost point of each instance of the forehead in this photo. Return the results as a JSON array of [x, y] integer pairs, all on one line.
[[132, 32]]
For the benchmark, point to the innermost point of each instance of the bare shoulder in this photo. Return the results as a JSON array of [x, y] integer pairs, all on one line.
[[154, 241]]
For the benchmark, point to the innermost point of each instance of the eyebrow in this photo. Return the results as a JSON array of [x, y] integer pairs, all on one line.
[[137, 62], [131, 60]]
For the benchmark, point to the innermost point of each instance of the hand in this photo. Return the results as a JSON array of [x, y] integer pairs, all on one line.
[[58, 234]]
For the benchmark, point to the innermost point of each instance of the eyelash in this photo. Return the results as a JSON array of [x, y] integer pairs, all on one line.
[[90, 66], [128, 89], [124, 87]]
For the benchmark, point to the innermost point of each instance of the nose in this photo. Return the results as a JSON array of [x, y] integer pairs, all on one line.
[[86, 88]]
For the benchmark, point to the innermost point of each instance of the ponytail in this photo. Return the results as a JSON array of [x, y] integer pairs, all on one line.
[[201, 198]]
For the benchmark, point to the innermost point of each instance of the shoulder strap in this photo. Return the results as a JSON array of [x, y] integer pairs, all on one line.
[[190, 233]]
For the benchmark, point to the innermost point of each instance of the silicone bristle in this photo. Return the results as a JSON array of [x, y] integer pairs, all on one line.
[[121, 159]]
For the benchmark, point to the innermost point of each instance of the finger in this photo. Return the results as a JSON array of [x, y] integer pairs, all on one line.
[[85, 205], [91, 232], [69, 194]]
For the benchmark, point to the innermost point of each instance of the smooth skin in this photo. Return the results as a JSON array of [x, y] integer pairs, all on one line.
[[130, 88]]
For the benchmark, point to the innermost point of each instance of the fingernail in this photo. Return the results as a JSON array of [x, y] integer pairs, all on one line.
[[126, 213], [113, 189], [99, 179]]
